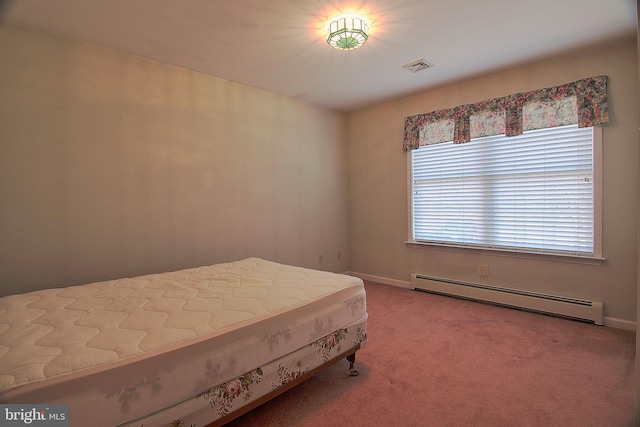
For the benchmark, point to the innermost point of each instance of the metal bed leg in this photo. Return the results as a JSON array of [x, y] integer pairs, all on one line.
[[352, 359]]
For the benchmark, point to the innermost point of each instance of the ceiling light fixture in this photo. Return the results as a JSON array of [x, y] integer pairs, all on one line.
[[347, 32]]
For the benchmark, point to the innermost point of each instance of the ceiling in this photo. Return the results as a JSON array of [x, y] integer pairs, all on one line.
[[279, 45]]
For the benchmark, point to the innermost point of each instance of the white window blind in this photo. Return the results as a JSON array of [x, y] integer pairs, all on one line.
[[533, 192]]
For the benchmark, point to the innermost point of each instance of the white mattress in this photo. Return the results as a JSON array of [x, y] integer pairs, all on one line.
[[119, 350]]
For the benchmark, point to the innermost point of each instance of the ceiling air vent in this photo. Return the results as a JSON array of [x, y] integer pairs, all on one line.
[[417, 65]]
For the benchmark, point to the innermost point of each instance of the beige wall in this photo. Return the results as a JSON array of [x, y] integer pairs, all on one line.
[[378, 188], [112, 165]]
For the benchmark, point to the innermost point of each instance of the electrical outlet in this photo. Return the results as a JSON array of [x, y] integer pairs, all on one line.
[[320, 259], [484, 270], [339, 254]]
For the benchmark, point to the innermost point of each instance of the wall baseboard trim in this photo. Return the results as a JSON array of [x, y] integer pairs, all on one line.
[[383, 280], [614, 322], [611, 322]]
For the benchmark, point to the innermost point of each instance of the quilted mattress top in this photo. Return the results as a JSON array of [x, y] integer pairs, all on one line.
[[51, 332]]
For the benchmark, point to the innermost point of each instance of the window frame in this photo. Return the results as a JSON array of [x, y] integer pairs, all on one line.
[[596, 258]]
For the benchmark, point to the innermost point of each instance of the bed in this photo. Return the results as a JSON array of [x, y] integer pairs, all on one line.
[[194, 347]]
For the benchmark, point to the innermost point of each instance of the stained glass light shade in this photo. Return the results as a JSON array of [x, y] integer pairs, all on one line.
[[348, 33]]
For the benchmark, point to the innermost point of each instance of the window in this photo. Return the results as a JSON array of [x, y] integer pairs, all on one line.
[[535, 192]]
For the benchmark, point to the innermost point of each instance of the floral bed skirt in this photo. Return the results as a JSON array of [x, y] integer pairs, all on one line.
[[218, 404]]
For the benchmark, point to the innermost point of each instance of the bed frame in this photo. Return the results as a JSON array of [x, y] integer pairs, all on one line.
[[350, 355]]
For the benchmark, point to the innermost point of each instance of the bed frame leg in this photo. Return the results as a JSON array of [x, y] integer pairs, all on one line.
[[352, 359]]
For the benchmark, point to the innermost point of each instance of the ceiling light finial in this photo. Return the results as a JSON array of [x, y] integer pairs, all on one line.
[[347, 32]]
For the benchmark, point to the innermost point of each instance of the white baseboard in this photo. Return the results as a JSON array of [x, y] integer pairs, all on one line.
[[383, 280], [611, 322]]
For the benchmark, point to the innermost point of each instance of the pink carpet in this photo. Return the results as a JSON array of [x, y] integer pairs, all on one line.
[[438, 361]]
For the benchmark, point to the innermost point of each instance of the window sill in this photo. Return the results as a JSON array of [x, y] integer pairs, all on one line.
[[575, 259]]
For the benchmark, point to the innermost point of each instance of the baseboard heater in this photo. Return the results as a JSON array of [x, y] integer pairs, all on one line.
[[561, 306]]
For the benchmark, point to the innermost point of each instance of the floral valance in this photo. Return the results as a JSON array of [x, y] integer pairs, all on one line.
[[583, 102]]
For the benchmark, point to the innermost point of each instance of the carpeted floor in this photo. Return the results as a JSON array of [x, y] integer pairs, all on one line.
[[438, 361]]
